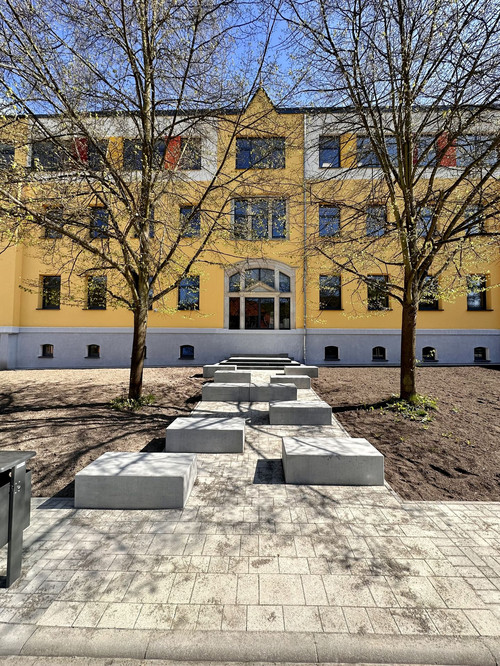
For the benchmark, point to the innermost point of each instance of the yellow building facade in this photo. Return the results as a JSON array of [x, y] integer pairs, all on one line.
[[286, 181]]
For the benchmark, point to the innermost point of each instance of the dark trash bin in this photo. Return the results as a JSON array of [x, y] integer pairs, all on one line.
[[15, 502]]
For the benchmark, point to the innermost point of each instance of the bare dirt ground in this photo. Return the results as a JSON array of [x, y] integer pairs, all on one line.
[[64, 416]]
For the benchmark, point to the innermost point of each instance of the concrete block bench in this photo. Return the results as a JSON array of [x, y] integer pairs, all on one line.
[[210, 370], [337, 461], [303, 412], [300, 381], [123, 480], [233, 377], [206, 435], [269, 392], [228, 392], [309, 370]]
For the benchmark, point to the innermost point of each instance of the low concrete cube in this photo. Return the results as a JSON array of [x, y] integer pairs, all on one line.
[[300, 381], [193, 434], [269, 392], [309, 370], [210, 370], [233, 376], [336, 461], [123, 480], [300, 412], [228, 392]]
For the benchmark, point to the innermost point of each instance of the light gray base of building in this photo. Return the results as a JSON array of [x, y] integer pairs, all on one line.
[[21, 348]]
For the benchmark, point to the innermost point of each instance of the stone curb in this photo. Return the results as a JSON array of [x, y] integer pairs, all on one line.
[[236, 646]]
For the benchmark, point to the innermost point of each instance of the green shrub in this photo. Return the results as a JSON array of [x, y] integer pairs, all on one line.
[[124, 404], [419, 409]]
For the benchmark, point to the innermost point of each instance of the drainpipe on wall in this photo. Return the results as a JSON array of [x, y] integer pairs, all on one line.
[[304, 261]]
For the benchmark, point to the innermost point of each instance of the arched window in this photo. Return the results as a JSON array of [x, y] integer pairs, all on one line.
[[93, 351], [378, 354], [480, 354], [186, 352], [259, 296], [331, 353], [47, 351], [429, 354]]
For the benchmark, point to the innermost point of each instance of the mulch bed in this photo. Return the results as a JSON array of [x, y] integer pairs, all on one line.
[[64, 416]]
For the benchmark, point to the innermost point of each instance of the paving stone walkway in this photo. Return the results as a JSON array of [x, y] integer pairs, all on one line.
[[251, 562]]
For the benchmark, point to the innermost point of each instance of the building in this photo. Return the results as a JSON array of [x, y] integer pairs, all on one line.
[[288, 176]]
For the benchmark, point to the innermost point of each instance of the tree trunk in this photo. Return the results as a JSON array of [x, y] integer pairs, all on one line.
[[138, 351], [408, 387]]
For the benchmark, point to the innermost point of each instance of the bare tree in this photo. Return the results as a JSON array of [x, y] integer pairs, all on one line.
[[416, 85], [120, 102]]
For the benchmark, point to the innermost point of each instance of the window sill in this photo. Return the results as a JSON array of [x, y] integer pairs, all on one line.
[[332, 360], [48, 309], [181, 358], [483, 361], [45, 357], [331, 309], [480, 310], [380, 360], [430, 360], [93, 358]]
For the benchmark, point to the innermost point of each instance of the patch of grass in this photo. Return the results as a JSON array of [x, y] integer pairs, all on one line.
[[420, 409], [124, 404]]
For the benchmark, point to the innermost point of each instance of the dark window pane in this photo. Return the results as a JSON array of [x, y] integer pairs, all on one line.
[[259, 313], [378, 354], [54, 217], [190, 222], [391, 146], [256, 219], [259, 218], [475, 149], [243, 153], [428, 300], [284, 282], [260, 153], [189, 293], [329, 220], [474, 218], [51, 292], [284, 313], [366, 155], [132, 155], [476, 296], [6, 155], [429, 354], [256, 275], [331, 353], [190, 157], [329, 292], [378, 299], [93, 351], [48, 351], [426, 151], [240, 229], [46, 156], [99, 222], [187, 351], [329, 152], [96, 155], [480, 354], [424, 221], [234, 282], [278, 218], [376, 221], [234, 313], [96, 293]]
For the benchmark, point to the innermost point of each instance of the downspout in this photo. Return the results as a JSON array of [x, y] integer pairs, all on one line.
[[304, 256]]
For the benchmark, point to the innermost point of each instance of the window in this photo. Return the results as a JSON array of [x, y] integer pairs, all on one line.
[[54, 216], [6, 155], [331, 353], [190, 221], [51, 292], [480, 354], [428, 297], [391, 147], [329, 292], [378, 298], [379, 354], [234, 313], [256, 276], [476, 294], [96, 292], [99, 222], [329, 152], [259, 218], [93, 351], [189, 293], [132, 155], [47, 351], [260, 153], [365, 153], [234, 282], [429, 354], [376, 221], [284, 282], [259, 313], [474, 149], [329, 221], [186, 352], [474, 219], [190, 154], [284, 321], [46, 156], [426, 151], [96, 153]]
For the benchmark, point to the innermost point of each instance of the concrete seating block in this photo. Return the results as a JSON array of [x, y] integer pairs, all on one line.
[[123, 480], [228, 392], [300, 381], [210, 370], [309, 370], [270, 392], [206, 435], [336, 461], [233, 376], [303, 412]]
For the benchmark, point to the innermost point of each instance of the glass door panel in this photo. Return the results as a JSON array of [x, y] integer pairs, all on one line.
[[259, 313]]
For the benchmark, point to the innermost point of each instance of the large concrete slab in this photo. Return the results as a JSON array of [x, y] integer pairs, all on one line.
[[210, 370], [124, 480], [303, 412], [336, 461], [269, 392], [232, 376], [228, 392], [309, 370], [193, 434], [300, 381]]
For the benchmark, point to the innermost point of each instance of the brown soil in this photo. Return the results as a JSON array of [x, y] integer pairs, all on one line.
[[64, 416], [454, 457]]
